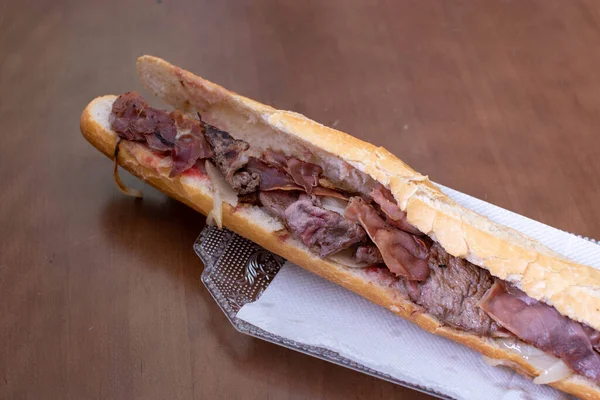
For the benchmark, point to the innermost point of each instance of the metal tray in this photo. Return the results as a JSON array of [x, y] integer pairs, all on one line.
[[237, 271]]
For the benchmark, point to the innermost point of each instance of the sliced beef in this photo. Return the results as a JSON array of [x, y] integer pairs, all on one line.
[[404, 254], [125, 114], [230, 154], [162, 125], [368, 254], [277, 201], [325, 232], [544, 327], [245, 182], [395, 216], [133, 119], [453, 291]]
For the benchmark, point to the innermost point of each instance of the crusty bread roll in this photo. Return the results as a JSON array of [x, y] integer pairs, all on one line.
[[573, 289]]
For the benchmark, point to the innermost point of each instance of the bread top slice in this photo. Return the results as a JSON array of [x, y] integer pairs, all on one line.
[[572, 288]]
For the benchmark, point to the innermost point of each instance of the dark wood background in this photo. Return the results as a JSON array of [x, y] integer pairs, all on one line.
[[100, 295]]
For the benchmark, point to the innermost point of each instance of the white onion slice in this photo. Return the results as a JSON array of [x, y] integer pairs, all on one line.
[[210, 221], [216, 214], [333, 204], [536, 357], [557, 372], [220, 185], [496, 362], [552, 369], [223, 193], [345, 258]]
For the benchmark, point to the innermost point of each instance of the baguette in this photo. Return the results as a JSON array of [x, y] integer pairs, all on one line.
[[571, 288]]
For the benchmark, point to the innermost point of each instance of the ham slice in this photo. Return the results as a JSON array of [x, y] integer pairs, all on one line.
[[186, 152], [304, 174], [395, 216], [301, 175], [275, 159], [404, 254], [188, 149], [544, 327], [271, 178], [326, 192]]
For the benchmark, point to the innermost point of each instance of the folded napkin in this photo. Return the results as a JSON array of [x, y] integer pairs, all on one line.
[[308, 309]]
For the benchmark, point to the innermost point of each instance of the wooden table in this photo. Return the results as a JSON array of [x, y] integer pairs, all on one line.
[[100, 295]]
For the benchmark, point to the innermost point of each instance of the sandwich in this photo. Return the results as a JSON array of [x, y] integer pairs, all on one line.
[[358, 216]]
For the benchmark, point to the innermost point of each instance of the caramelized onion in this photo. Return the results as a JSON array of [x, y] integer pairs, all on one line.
[[124, 189], [223, 193]]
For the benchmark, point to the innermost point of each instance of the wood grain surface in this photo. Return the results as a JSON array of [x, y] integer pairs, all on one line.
[[100, 295]]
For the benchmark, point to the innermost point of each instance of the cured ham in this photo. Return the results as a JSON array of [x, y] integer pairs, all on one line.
[[544, 327], [404, 254]]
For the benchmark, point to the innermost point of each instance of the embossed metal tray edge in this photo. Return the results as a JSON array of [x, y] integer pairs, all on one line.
[[237, 271]]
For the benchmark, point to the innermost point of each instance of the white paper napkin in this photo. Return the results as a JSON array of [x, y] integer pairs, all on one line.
[[293, 307]]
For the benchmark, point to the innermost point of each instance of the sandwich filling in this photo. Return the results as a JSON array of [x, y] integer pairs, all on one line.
[[355, 221]]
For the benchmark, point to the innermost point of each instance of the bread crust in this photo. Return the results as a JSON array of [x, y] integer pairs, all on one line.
[[197, 194]]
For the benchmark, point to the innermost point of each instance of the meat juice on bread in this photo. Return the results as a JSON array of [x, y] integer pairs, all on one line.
[[358, 216]]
